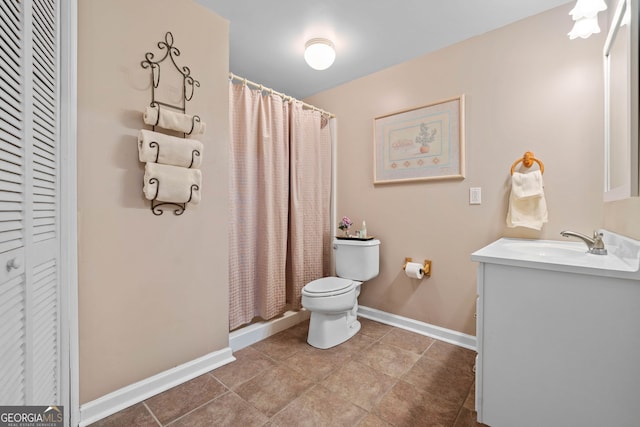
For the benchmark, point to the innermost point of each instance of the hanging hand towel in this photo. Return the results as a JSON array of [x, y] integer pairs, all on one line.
[[172, 183], [157, 147], [172, 120], [527, 204], [527, 185]]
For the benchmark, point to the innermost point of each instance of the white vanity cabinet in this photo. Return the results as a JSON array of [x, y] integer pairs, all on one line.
[[558, 339]]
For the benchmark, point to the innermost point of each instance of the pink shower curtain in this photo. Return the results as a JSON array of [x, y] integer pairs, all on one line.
[[309, 201], [280, 174]]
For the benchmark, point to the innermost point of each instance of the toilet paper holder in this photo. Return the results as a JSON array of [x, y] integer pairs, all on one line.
[[426, 269]]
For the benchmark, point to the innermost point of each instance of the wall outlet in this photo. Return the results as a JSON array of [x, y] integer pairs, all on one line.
[[475, 195]]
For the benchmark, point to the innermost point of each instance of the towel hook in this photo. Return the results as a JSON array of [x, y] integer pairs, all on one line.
[[527, 161]]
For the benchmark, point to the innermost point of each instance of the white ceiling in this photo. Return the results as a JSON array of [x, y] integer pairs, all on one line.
[[267, 38]]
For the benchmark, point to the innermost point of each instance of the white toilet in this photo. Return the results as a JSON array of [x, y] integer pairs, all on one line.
[[333, 301]]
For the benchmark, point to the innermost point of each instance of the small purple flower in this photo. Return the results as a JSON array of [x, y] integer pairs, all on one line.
[[345, 223]]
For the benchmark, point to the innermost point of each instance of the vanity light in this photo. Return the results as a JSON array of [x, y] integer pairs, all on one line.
[[585, 15], [319, 53], [584, 27], [587, 9]]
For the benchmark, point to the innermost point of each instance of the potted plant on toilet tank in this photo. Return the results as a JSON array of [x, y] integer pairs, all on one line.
[[344, 225]]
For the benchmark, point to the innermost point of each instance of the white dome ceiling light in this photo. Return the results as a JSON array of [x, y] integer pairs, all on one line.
[[319, 53]]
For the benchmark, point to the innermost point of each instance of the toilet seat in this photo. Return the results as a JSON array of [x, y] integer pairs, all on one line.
[[328, 286]]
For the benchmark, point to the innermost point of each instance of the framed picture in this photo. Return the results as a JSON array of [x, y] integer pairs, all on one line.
[[423, 143]]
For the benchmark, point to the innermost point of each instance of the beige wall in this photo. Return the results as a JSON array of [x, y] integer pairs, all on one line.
[[527, 87], [622, 217], [152, 290]]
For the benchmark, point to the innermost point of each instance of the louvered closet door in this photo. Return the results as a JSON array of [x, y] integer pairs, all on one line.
[[29, 211]]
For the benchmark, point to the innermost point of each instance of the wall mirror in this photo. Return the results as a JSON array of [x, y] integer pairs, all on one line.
[[621, 103]]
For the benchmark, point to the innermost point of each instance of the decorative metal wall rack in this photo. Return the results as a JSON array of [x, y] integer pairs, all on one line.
[[188, 88], [188, 82]]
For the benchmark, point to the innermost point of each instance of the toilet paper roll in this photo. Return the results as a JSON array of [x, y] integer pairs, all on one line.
[[414, 270]]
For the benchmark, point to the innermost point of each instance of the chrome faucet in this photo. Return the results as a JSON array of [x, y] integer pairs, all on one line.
[[595, 244]]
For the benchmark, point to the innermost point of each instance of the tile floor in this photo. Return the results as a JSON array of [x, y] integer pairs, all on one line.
[[384, 376]]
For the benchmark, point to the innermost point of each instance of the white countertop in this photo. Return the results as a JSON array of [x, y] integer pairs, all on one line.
[[622, 260]]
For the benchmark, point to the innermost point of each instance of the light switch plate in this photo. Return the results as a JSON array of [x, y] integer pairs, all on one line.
[[475, 195]]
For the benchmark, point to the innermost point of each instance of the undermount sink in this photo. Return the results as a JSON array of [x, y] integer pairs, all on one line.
[[622, 260]]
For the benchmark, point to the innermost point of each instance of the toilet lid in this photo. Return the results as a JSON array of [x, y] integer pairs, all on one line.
[[328, 285]]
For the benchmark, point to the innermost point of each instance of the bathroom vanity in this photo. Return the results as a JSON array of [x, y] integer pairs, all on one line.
[[558, 333]]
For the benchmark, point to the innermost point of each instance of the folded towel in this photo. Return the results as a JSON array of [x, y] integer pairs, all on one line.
[[527, 185], [530, 211], [165, 118], [172, 183], [157, 147]]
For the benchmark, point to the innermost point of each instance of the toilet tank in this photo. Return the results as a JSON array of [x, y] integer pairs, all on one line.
[[357, 259]]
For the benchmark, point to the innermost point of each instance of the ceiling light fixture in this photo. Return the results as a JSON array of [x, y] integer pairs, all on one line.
[[585, 15], [319, 53]]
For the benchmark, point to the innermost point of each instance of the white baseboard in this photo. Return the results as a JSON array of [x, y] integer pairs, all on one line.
[[137, 392], [255, 332], [433, 331]]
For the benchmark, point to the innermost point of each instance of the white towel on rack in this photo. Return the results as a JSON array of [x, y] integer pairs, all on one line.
[[157, 147], [172, 120], [527, 185], [527, 204], [172, 183]]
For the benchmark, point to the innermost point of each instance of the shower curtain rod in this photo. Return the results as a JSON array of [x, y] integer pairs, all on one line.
[[282, 95]]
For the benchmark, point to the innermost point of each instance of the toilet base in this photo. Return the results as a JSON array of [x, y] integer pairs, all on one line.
[[327, 330]]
